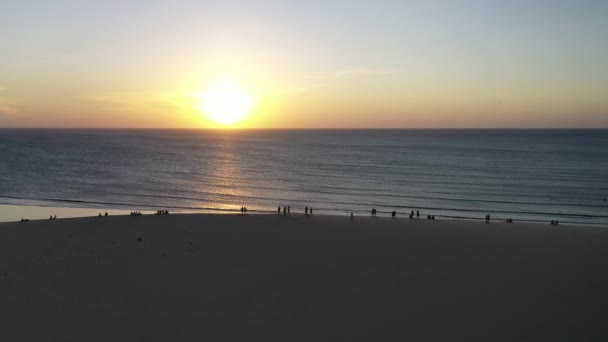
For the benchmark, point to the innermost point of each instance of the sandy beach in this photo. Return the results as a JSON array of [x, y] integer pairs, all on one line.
[[300, 278]]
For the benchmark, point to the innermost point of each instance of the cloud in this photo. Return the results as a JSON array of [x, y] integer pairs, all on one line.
[[357, 72], [6, 107], [6, 110], [325, 79], [50, 60], [133, 101], [280, 91]]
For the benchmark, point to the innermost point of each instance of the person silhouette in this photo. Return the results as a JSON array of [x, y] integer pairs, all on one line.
[[306, 210], [284, 210], [417, 213], [352, 215], [373, 211], [394, 213], [310, 210], [279, 209], [106, 213]]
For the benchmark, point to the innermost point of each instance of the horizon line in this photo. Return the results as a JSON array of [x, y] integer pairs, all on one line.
[[307, 128]]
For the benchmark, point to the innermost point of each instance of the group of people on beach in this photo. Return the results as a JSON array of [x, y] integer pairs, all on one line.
[[162, 212], [106, 214], [135, 213], [554, 222], [286, 210], [243, 210], [53, 217], [394, 214]]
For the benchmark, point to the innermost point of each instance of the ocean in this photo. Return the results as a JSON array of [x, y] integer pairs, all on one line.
[[531, 175]]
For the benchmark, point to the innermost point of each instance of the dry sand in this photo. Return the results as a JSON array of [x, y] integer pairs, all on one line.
[[297, 278]]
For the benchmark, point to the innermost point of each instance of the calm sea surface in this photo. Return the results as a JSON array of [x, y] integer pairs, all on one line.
[[536, 175]]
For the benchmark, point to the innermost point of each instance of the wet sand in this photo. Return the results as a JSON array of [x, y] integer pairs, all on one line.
[[297, 278]]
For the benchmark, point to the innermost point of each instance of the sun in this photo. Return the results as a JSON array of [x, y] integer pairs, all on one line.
[[227, 103]]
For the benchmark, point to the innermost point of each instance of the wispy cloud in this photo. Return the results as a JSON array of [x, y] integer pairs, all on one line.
[[135, 101], [357, 72], [49, 60], [6, 107], [279, 91], [325, 79]]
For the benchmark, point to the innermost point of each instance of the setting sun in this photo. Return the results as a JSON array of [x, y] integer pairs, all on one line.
[[227, 103]]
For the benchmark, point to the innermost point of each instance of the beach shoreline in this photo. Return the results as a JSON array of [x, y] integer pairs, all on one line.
[[15, 212], [297, 277]]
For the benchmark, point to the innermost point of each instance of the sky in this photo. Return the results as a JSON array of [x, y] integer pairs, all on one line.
[[305, 64]]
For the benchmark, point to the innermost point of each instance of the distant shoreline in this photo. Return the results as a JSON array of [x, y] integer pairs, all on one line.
[[41, 213]]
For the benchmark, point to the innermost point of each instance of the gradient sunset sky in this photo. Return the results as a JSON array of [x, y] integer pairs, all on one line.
[[306, 64]]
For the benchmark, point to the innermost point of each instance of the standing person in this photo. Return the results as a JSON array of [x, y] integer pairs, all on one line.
[[244, 210], [310, 210], [279, 209], [352, 215], [284, 210], [306, 210], [373, 211], [394, 213], [417, 213]]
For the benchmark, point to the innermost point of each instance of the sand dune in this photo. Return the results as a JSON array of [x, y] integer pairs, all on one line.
[[297, 278]]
